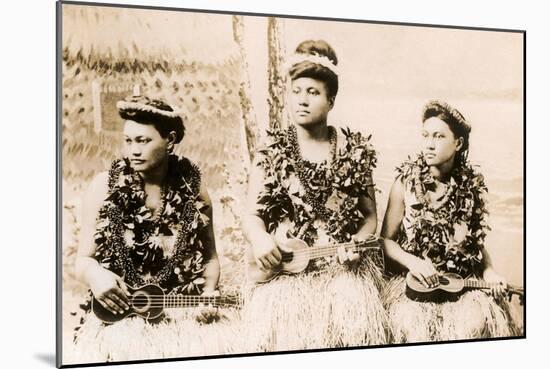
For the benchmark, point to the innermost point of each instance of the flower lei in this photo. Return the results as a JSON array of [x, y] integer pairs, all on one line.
[[140, 258], [432, 226], [315, 192], [339, 184]]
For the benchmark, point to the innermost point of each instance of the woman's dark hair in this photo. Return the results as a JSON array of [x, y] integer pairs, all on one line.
[[313, 70], [160, 115], [456, 122]]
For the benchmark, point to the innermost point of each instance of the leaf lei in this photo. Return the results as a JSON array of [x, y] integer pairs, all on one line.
[[316, 192], [124, 209], [339, 183], [433, 226]]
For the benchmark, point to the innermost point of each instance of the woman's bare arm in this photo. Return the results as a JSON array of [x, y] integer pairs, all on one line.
[[422, 269], [392, 223], [263, 246], [212, 265], [367, 206], [92, 202], [108, 288]]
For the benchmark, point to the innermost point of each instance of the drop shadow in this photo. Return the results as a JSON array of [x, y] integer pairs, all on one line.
[[46, 358]]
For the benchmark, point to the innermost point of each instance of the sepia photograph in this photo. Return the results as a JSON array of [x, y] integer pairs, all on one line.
[[240, 184]]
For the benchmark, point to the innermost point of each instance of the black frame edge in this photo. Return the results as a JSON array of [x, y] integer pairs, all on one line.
[[58, 195], [291, 16]]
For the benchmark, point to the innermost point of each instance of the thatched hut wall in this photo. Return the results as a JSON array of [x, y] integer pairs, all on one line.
[[199, 78], [189, 60], [206, 95]]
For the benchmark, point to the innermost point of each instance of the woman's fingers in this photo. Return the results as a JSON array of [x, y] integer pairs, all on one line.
[[431, 274], [434, 279], [346, 256], [121, 295], [123, 287], [341, 255], [207, 314], [421, 278], [211, 293], [201, 317], [272, 261], [497, 292], [268, 262], [110, 305], [119, 298], [432, 269], [501, 289], [277, 255], [353, 256], [264, 263]]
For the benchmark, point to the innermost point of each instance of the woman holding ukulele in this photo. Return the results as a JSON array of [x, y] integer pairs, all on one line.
[[435, 223]]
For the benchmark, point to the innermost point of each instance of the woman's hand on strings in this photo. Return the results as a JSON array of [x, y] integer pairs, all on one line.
[[349, 257], [267, 253], [110, 290], [208, 313], [424, 271], [499, 283]]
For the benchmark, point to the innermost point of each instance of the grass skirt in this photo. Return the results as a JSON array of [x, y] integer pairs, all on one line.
[[474, 315], [337, 307], [178, 335]]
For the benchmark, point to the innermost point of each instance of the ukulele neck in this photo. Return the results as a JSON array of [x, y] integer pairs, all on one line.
[[331, 249], [180, 301], [477, 284]]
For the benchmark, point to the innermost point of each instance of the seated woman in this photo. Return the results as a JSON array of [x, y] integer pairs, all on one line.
[[314, 184], [148, 220], [435, 222]]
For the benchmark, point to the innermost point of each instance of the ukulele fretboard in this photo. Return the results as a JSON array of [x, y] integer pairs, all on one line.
[[175, 301], [474, 283]]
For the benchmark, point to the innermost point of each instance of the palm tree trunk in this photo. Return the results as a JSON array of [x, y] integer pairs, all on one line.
[[275, 75], [250, 127]]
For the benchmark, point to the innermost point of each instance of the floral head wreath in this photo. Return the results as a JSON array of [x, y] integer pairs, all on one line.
[[134, 104], [149, 111], [458, 118], [456, 122], [322, 60]]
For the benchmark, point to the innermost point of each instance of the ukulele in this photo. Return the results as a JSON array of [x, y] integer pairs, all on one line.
[[296, 255], [449, 288], [149, 302]]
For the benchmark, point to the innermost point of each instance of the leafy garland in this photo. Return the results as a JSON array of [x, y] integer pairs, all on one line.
[[340, 182], [129, 238], [432, 225], [313, 197]]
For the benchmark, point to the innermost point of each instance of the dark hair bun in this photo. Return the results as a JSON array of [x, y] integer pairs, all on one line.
[[316, 59], [319, 48]]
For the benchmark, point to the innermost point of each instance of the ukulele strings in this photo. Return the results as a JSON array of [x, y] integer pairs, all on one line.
[[326, 250], [155, 301], [474, 283]]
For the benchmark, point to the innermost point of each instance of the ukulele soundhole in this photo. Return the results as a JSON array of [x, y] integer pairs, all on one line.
[[443, 281], [141, 301]]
